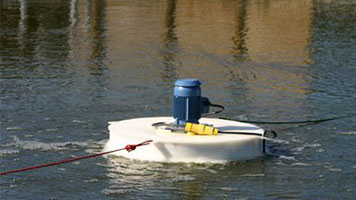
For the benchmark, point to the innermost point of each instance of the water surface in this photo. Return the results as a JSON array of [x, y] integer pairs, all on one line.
[[69, 67]]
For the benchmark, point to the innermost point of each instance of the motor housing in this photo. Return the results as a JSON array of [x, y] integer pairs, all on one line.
[[188, 104]]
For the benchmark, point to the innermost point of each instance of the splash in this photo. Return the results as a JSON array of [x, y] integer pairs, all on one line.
[[18, 145]]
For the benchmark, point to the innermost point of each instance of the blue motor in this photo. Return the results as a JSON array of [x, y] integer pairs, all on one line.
[[188, 104]]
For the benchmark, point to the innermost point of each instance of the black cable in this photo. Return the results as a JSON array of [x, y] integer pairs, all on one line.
[[265, 134], [157, 124], [287, 122], [267, 131], [222, 108], [239, 133]]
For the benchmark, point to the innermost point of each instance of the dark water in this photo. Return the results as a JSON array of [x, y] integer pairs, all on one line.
[[69, 67]]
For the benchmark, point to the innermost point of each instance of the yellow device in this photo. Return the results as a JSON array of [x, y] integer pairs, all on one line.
[[200, 129]]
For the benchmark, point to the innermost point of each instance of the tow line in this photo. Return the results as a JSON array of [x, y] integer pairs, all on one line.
[[129, 148]]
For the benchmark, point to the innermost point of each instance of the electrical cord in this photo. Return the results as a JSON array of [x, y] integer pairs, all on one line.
[[268, 133], [222, 108], [288, 122]]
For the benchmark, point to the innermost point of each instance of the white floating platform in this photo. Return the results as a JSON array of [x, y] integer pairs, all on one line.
[[179, 147]]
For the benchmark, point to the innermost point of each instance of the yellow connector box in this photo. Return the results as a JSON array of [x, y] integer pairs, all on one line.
[[200, 129]]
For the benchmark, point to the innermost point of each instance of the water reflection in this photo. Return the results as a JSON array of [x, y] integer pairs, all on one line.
[[170, 44], [279, 31], [98, 54], [265, 32], [239, 49], [186, 180], [88, 46], [73, 14], [245, 52], [22, 24], [45, 29], [249, 47]]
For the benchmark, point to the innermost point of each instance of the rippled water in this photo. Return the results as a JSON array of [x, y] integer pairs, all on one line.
[[69, 67]]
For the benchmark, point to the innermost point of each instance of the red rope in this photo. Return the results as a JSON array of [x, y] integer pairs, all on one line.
[[129, 148]]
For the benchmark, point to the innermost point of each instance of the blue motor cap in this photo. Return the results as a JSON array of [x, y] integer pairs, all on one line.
[[187, 88]]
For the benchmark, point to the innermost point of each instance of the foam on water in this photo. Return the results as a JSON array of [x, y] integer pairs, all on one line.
[[117, 191], [287, 157], [348, 133], [229, 189], [253, 175], [307, 145], [300, 164], [19, 145], [4, 152], [14, 128], [184, 178], [35, 145]]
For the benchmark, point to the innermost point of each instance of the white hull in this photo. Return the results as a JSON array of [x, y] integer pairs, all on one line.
[[178, 147]]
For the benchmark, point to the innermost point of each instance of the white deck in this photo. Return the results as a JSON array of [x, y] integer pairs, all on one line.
[[178, 147]]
